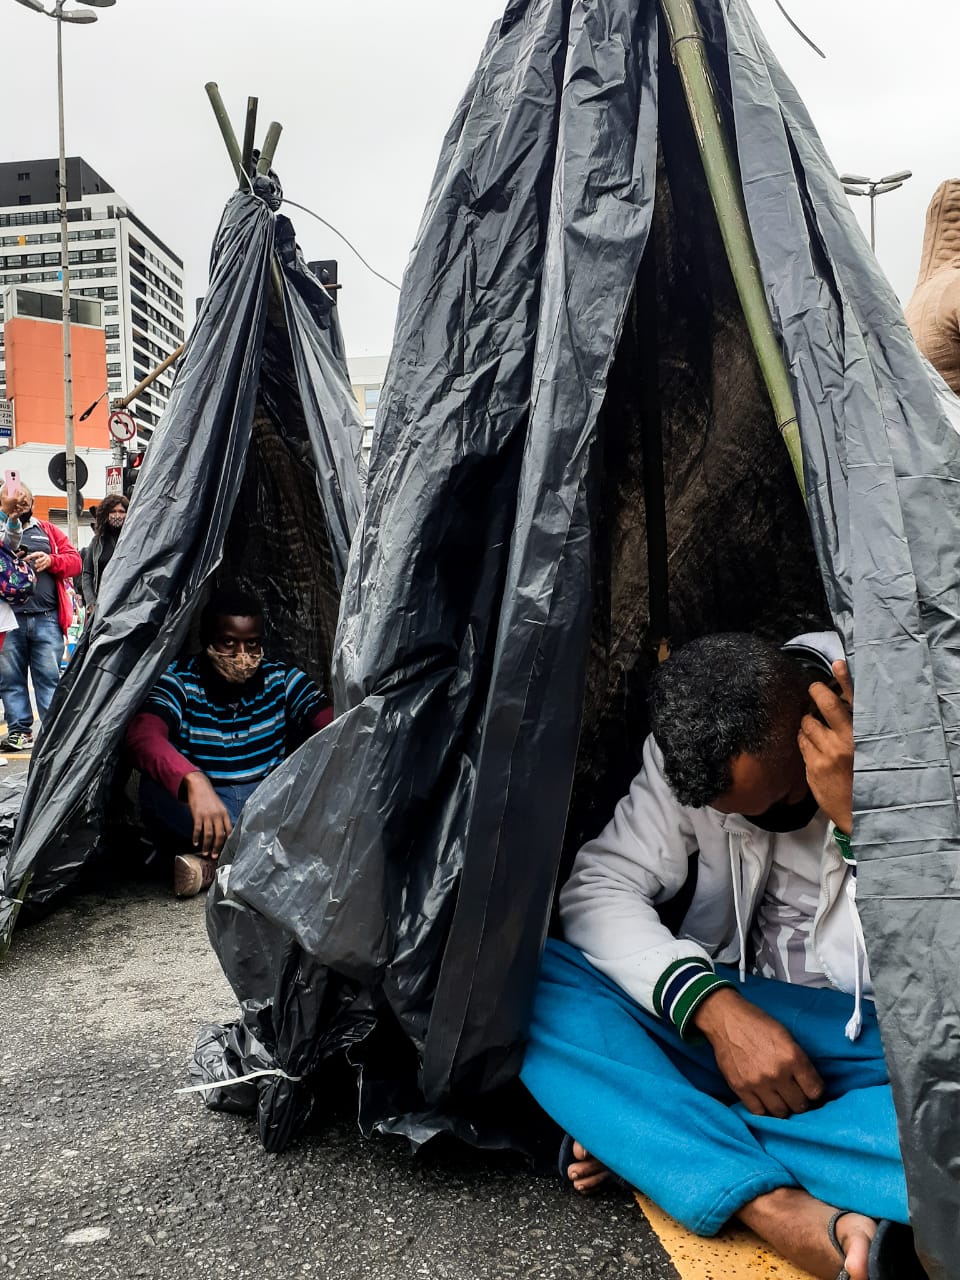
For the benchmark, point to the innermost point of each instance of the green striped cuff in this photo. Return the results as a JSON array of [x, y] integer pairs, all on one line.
[[681, 989], [843, 844]]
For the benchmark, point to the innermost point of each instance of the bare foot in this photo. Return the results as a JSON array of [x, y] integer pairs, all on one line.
[[795, 1224], [855, 1232], [584, 1172]]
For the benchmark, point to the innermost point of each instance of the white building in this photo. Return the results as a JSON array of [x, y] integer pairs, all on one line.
[[113, 256], [366, 378]]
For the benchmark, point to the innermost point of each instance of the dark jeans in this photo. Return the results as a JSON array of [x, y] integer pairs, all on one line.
[[159, 808], [36, 646]]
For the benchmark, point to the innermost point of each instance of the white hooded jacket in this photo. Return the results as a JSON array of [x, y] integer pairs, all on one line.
[[642, 860]]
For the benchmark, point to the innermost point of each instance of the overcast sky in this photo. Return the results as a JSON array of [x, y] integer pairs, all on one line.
[[365, 90]]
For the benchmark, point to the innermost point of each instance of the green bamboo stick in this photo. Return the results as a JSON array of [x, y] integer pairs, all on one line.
[[689, 53], [268, 150], [250, 129], [226, 130]]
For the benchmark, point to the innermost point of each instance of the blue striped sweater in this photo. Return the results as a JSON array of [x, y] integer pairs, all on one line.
[[237, 739]]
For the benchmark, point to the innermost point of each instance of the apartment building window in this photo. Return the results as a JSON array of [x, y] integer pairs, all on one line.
[[25, 200], [371, 398], [24, 176]]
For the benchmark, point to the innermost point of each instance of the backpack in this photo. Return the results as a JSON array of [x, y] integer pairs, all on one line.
[[18, 580]]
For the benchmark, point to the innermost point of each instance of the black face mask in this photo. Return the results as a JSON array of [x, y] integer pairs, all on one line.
[[786, 817]]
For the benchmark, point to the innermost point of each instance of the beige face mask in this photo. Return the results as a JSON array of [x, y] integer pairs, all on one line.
[[235, 668]]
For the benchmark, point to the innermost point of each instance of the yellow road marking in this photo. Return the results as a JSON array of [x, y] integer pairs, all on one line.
[[734, 1253]]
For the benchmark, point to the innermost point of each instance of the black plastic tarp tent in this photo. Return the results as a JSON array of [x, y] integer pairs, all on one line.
[[252, 474], [390, 889]]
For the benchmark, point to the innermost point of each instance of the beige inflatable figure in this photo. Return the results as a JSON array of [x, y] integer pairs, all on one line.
[[933, 312]]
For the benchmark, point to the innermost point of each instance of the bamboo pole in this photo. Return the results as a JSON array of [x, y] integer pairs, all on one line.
[[237, 157], [151, 377], [269, 148], [226, 130], [249, 130], [689, 54], [267, 152]]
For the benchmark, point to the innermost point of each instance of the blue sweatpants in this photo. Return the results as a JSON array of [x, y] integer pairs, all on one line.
[[658, 1112], [158, 806]]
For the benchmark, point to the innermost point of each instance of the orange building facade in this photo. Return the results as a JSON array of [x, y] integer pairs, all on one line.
[[34, 351]]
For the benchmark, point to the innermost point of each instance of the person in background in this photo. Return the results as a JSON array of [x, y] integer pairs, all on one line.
[[111, 514], [12, 507], [212, 728], [36, 647]]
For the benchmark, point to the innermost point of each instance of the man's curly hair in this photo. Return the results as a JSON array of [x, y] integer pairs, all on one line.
[[716, 698]]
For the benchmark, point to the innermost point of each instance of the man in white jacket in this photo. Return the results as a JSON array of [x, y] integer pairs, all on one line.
[[706, 1030]]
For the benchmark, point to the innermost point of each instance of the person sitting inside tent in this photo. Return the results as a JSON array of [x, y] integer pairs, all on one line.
[[212, 728], [757, 1091]]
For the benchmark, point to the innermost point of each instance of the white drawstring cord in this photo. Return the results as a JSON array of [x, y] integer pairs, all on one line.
[[738, 907], [855, 1025], [228, 1084]]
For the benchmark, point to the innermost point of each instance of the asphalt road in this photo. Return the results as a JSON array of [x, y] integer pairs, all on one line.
[[106, 1172]]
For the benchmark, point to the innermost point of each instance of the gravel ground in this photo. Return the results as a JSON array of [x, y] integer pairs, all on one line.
[[106, 1172]]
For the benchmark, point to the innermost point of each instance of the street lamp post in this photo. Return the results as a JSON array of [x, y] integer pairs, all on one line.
[[855, 185], [60, 16]]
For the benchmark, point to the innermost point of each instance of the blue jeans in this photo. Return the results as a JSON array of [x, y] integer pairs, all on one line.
[[37, 646], [157, 805], [659, 1113]]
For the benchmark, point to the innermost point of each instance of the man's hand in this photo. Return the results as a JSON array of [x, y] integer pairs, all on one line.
[[827, 749], [758, 1058], [40, 561], [211, 821]]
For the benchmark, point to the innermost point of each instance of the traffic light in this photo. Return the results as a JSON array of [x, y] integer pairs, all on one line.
[[131, 470]]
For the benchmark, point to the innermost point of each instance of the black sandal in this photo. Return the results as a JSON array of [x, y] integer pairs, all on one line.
[[566, 1158], [835, 1240], [892, 1255]]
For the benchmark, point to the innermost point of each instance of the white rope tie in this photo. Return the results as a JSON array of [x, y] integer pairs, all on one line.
[[855, 1025], [228, 1084]]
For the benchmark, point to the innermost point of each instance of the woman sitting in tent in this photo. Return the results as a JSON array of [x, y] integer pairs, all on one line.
[[212, 728]]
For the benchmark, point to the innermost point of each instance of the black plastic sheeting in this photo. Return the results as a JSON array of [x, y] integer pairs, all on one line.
[[389, 890], [251, 476]]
